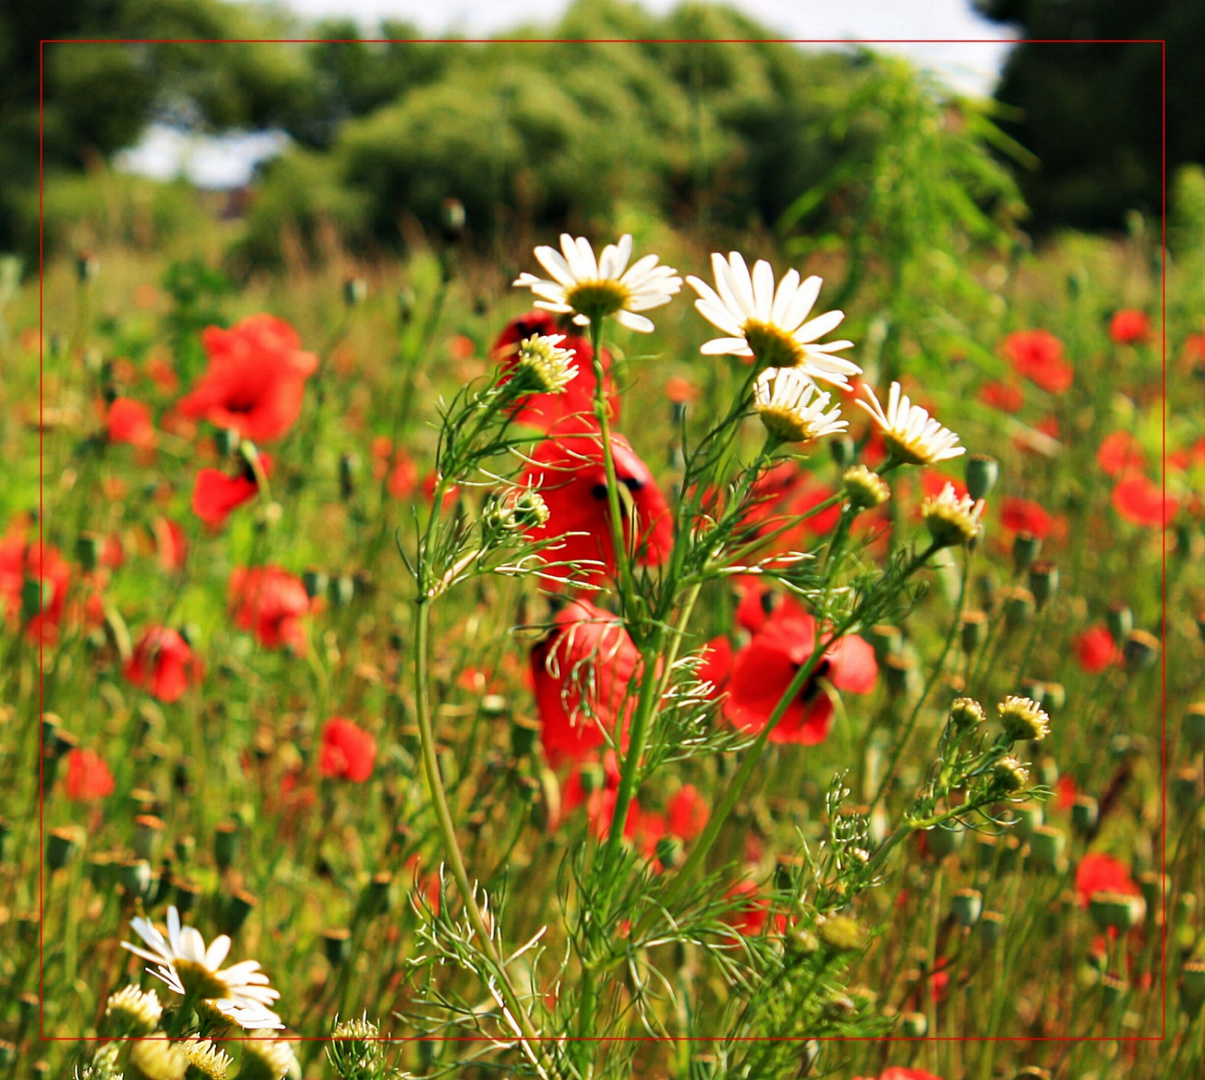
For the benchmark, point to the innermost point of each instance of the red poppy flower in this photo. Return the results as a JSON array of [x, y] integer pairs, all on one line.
[[162, 374], [786, 493], [1065, 792], [1129, 326], [88, 777], [900, 1072], [1096, 650], [545, 411], [933, 483], [216, 494], [270, 602], [750, 918], [716, 664], [163, 663], [762, 671], [1102, 873], [1003, 396], [255, 382], [1022, 515], [1140, 501], [686, 813], [1037, 355], [1120, 453], [348, 751], [582, 672], [403, 477], [130, 422], [20, 561], [170, 543], [569, 471]]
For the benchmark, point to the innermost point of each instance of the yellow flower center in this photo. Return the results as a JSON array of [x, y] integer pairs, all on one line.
[[597, 299], [197, 979], [772, 346], [907, 452], [785, 424]]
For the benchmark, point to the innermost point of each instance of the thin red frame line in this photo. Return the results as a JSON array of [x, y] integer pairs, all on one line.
[[1163, 289]]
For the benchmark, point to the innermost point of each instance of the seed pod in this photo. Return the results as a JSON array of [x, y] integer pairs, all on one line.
[[336, 945], [1025, 549], [1120, 621], [981, 474], [62, 846], [1046, 846], [966, 905], [225, 844], [1085, 812], [914, 1025]]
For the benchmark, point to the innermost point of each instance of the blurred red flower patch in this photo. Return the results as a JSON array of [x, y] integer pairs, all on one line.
[[348, 751], [1037, 355], [269, 602], [1102, 873], [21, 562], [255, 382], [1140, 501], [163, 664], [1095, 650], [129, 421], [1129, 327], [88, 777], [1023, 515], [216, 494], [1120, 453]]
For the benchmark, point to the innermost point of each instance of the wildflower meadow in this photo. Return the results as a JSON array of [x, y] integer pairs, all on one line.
[[629, 648]]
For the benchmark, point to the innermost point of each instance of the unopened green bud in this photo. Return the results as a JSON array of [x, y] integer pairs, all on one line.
[[1192, 985], [1025, 549], [973, 630], [225, 844], [669, 852], [1018, 608], [841, 933], [1120, 621], [1085, 812], [62, 846], [981, 474], [1117, 911], [1046, 846], [1140, 650], [336, 945], [914, 1025], [236, 910], [355, 291], [1043, 582], [1193, 725], [991, 926], [966, 905]]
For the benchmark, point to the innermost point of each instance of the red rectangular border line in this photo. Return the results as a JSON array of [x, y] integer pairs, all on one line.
[[1163, 545]]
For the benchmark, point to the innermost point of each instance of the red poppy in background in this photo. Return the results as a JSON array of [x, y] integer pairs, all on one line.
[[269, 601], [716, 664], [1065, 792], [20, 561], [569, 471], [1023, 515], [763, 670], [348, 751], [216, 494], [130, 422], [1037, 355], [1003, 396], [1096, 650], [1128, 326], [1120, 453], [1103, 873], [170, 543], [686, 813], [400, 466], [163, 663], [88, 777], [545, 411], [582, 672], [256, 377], [750, 918], [785, 494], [1140, 501], [901, 1072]]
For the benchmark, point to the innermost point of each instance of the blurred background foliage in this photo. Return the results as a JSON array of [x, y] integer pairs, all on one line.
[[824, 149]]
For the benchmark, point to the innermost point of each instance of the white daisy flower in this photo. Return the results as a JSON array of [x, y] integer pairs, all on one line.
[[595, 289], [911, 434], [792, 406], [771, 325], [240, 993]]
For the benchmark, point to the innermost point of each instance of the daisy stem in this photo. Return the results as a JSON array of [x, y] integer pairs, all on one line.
[[447, 828]]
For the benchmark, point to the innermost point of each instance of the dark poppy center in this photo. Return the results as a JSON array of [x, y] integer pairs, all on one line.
[[811, 687]]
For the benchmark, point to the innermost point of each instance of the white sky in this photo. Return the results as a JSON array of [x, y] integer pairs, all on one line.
[[971, 66]]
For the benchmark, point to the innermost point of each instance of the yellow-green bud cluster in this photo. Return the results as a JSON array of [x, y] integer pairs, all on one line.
[[863, 488], [1023, 718]]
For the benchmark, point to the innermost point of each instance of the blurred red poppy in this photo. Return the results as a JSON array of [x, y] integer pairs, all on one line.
[[1102, 873], [88, 777], [163, 663], [544, 411], [764, 669], [901, 1072], [1095, 650], [686, 813], [1003, 396], [1023, 515], [255, 382], [582, 672], [216, 494], [1128, 326], [130, 422], [1120, 453], [348, 751], [789, 494], [21, 561], [568, 469], [270, 602], [170, 543], [1037, 355], [1141, 501]]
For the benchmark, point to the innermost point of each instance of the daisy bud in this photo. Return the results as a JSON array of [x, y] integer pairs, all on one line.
[[134, 1012], [864, 489], [1120, 621], [1043, 582], [840, 933], [973, 630], [914, 1025], [1192, 985], [952, 520], [1023, 718], [355, 291], [524, 731], [1085, 812], [542, 367], [1193, 725], [966, 905], [225, 844], [157, 1059], [802, 942], [266, 1058], [336, 945], [62, 846], [966, 714], [1009, 775], [1140, 650], [354, 1049], [1025, 549], [981, 474], [1046, 846], [1118, 911]]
